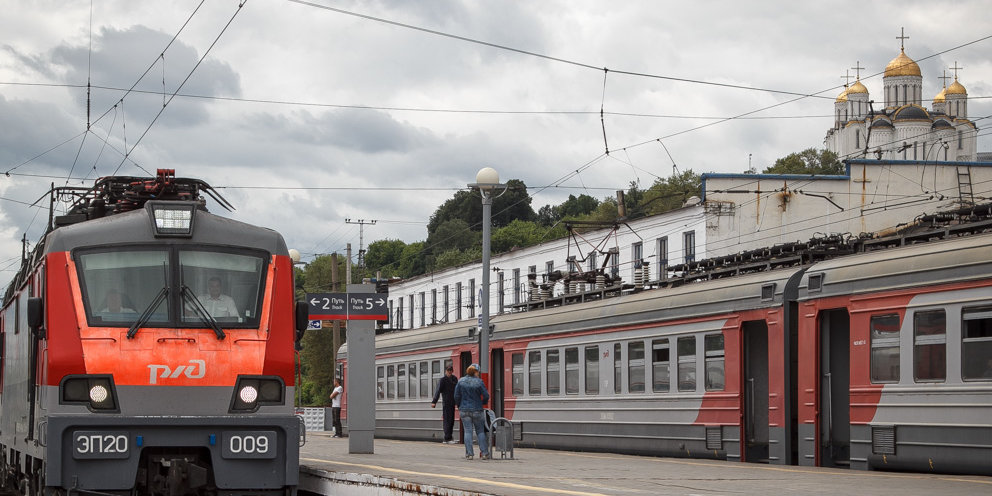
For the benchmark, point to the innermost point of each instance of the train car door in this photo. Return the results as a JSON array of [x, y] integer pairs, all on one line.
[[755, 389], [835, 388], [498, 380]]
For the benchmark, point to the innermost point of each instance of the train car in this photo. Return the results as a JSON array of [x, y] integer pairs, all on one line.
[[897, 348], [148, 348], [756, 367]]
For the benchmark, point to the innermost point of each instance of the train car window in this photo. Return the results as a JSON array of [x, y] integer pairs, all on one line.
[[571, 371], [554, 372], [401, 381], [687, 363], [447, 363], [425, 380], [884, 348], [380, 374], [713, 347], [617, 369], [660, 365], [517, 379], [119, 285], [228, 285], [391, 382], [635, 367], [412, 377], [976, 343], [534, 362], [592, 369], [930, 346]]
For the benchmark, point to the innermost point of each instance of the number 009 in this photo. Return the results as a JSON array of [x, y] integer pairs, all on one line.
[[249, 445]]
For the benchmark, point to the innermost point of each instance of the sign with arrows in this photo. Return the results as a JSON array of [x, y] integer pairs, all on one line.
[[348, 306]]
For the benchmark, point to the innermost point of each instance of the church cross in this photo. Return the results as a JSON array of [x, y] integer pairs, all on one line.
[[847, 78], [956, 69], [902, 39], [945, 77], [857, 67]]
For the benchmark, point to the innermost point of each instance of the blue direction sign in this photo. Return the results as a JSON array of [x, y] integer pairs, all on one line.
[[348, 306]]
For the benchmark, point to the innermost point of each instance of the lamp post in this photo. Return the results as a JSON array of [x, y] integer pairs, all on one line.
[[487, 182]]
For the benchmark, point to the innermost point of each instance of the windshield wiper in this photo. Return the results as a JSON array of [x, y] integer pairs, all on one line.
[[205, 316], [147, 314]]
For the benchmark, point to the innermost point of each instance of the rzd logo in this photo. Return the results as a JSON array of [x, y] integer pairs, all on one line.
[[196, 370]]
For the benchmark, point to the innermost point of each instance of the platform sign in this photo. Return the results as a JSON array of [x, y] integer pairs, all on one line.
[[348, 306], [313, 325]]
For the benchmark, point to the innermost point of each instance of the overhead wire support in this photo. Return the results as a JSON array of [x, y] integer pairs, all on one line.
[[602, 104]]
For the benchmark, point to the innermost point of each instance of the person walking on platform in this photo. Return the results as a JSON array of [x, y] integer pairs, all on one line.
[[446, 391], [336, 407], [471, 397]]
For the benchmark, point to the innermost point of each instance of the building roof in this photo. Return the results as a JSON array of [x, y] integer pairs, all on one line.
[[911, 112], [956, 88], [902, 66]]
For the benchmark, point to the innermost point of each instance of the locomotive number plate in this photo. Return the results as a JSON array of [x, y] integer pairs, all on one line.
[[249, 444], [98, 444]]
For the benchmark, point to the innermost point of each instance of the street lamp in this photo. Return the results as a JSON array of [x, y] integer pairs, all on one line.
[[487, 182]]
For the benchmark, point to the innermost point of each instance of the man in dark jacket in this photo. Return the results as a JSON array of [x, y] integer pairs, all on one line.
[[446, 390]]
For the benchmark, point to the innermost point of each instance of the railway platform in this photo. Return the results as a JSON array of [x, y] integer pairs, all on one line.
[[410, 467]]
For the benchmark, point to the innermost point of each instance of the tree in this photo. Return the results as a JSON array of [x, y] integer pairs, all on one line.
[[670, 193], [413, 260], [384, 256], [318, 354], [452, 234], [808, 161], [467, 206]]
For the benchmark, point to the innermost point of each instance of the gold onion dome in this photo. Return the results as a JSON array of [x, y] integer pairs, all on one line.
[[956, 88], [842, 97], [940, 96], [857, 87], [902, 66]]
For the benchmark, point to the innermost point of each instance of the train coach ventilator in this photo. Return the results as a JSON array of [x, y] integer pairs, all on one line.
[[501, 436]]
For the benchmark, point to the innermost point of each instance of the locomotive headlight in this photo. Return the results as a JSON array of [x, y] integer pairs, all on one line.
[[252, 391], [98, 393], [248, 394], [172, 218]]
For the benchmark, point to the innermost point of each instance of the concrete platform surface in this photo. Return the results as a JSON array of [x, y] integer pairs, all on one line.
[[439, 469]]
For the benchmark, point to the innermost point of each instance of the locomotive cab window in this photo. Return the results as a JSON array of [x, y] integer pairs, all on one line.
[[227, 285], [119, 285], [976, 344]]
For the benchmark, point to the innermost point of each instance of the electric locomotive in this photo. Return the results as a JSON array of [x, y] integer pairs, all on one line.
[[148, 348]]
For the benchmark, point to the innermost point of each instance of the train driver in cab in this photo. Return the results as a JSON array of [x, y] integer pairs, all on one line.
[[215, 302]]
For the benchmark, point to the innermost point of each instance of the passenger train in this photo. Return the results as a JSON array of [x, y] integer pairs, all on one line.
[[148, 348], [876, 359]]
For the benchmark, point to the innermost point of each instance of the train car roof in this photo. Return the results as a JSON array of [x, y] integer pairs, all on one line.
[[136, 227], [693, 300], [959, 259]]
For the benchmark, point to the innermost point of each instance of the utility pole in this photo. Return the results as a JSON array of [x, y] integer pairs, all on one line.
[[361, 238]]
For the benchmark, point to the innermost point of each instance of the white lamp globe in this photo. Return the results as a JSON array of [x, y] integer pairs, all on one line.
[[487, 175]]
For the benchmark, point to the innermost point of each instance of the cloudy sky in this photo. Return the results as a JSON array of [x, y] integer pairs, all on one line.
[[304, 114]]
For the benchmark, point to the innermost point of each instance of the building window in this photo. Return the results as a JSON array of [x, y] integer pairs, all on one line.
[[412, 324], [661, 251], [689, 246], [713, 347], [434, 306], [592, 262], [549, 267], [930, 346], [687, 363], [517, 379], [635, 367], [399, 312], [534, 375], [857, 138], [636, 257], [960, 140], [617, 369], [884, 348], [458, 301], [592, 369], [976, 343], [423, 309], [554, 371], [392, 316], [500, 295], [516, 286], [446, 303], [471, 298], [660, 361], [571, 371]]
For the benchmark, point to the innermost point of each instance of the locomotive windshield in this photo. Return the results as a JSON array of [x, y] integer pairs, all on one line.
[[201, 288]]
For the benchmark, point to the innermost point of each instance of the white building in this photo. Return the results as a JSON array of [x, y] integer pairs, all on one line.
[[903, 129], [455, 294]]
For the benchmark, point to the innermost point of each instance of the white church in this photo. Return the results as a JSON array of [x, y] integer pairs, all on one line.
[[903, 129]]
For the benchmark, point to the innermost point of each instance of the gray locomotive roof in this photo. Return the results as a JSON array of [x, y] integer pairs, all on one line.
[[136, 227]]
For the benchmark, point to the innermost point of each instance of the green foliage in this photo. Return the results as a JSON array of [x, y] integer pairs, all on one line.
[[572, 208], [384, 255], [670, 193], [454, 258], [453, 234], [318, 353], [413, 260], [808, 161], [467, 206]]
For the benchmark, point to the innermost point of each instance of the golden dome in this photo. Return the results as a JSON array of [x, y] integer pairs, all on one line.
[[956, 88], [842, 97], [940, 96], [857, 87], [902, 66]]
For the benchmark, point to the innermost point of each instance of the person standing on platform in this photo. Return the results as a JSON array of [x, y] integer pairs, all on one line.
[[471, 397], [446, 391], [336, 407]]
